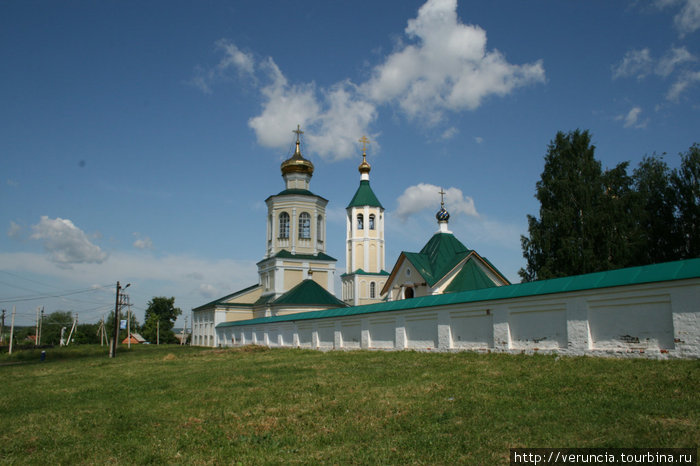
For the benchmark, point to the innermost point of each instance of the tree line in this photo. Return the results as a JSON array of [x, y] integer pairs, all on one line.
[[160, 317], [593, 220]]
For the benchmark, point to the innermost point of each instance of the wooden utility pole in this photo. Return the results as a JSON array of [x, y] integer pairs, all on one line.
[[41, 321], [2, 327], [128, 321], [36, 328], [12, 328], [115, 342], [75, 324]]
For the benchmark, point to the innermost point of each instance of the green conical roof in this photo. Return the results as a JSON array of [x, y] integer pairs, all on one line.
[[471, 277], [364, 196], [440, 255], [309, 293]]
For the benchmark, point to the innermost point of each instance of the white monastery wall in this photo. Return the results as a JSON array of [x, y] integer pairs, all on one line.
[[657, 320]]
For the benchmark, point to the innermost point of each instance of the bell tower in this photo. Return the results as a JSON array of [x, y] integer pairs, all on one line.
[[364, 275]]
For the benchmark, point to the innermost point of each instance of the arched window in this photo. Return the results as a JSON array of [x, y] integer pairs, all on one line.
[[319, 229], [304, 226], [284, 225], [371, 221], [408, 293], [360, 222], [372, 289]]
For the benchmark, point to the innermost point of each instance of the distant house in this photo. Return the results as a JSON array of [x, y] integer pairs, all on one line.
[[135, 339]]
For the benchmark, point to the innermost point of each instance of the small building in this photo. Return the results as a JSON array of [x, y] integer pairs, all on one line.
[[134, 339]]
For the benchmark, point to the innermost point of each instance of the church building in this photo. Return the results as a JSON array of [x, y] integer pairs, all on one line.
[[444, 265], [364, 255], [296, 275]]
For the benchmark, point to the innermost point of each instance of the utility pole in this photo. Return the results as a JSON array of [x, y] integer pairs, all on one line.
[[128, 320], [41, 321], [2, 327], [115, 342], [75, 324], [184, 332], [12, 328], [36, 329]]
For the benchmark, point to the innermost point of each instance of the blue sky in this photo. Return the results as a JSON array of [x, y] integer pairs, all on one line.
[[139, 140]]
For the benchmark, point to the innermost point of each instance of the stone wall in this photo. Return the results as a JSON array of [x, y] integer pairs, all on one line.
[[656, 320]]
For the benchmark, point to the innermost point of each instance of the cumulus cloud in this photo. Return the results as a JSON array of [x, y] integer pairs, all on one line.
[[445, 66], [427, 196], [233, 59], [687, 20], [142, 243], [684, 82], [635, 63], [66, 243], [14, 231], [632, 120], [673, 58]]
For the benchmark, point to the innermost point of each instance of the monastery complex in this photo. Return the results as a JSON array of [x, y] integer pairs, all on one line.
[[444, 297]]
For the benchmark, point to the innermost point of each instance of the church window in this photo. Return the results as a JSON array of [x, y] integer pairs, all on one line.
[[304, 226], [408, 293], [371, 221], [372, 290], [319, 229], [360, 222], [284, 225]]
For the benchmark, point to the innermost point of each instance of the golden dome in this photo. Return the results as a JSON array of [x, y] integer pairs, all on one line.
[[364, 166], [296, 163]]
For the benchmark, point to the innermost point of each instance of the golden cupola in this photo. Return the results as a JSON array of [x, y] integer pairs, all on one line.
[[296, 163]]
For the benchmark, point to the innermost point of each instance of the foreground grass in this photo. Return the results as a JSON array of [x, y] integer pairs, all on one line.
[[190, 405]]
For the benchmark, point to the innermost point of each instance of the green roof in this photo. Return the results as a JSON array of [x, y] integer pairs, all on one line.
[[302, 192], [284, 254], [309, 293], [669, 271], [471, 277], [362, 272], [440, 255], [364, 196], [221, 301]]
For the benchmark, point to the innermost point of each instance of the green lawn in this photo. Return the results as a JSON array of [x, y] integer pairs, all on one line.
[[191, 405]]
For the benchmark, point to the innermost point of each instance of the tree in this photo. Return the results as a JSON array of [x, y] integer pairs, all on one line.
[[656, 214], [160, 318], [686, 186], [52, 324], [567, 239], [109, 325]]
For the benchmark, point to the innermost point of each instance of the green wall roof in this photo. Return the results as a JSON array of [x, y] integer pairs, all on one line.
[[667, 271]]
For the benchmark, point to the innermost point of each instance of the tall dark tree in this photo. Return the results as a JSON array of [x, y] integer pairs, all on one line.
[[685, 182], [657, 221], [567, 239], [160, 318]]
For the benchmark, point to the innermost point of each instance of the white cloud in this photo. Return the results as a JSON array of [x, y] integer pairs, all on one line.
[[631, 119], [684, 82], [427, 196], [233, 59], [688, 19], [66, 243], [672, 59], [449, 133], [142, 243], [14, 231], [635, 63], [479, 139], [446, 68]]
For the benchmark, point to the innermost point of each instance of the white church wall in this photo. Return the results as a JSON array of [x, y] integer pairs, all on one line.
[[657, 320]]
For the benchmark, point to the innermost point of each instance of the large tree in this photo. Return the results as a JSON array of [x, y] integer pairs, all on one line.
[[160, 318], [592, 221], [686, 186], [567, 239]]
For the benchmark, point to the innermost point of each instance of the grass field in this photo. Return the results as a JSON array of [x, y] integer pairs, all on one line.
[[251, 406]]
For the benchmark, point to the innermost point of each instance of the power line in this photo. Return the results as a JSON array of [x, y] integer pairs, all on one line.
[[47, 295]]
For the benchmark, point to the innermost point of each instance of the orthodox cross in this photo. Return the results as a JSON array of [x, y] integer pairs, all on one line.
[[442, 198], [364, 142], [298, 131]]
